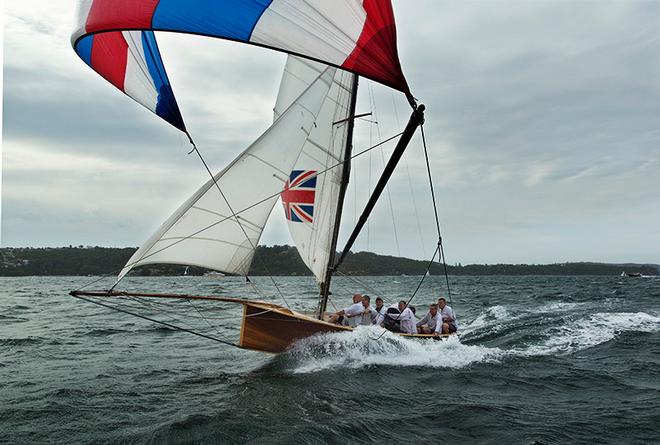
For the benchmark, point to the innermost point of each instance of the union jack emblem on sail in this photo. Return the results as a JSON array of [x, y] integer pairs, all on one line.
[[298, 196]]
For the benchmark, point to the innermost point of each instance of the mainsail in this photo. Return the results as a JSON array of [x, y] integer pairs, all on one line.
[[311, 197], [220, 225]]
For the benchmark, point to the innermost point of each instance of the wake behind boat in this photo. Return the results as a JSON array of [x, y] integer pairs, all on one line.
[[303, 159]]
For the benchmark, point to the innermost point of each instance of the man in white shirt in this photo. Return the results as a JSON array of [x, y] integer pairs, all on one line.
[[446, 313], [431, 322], [407, 319], [368, 313], [350, 316], [378, 314]]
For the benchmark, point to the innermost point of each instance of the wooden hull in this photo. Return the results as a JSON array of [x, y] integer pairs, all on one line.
[[272, 328]]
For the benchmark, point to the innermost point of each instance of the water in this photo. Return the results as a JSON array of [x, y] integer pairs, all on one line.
[[541, 360]]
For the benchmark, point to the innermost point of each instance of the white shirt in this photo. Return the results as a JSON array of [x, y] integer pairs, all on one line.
[[432, 322], [447, 315], [368, 315], [351, 314], [377, 316], [408, 322]]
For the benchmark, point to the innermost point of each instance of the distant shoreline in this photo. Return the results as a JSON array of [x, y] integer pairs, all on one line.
[[282, 261]]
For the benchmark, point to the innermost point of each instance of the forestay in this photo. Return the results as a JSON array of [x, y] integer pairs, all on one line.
[[311, 196], [220, 230]]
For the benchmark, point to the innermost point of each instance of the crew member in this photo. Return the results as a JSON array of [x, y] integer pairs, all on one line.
[[349, 316], [407, 319], [368, 313], [378, 314], [431, 322], [447, 316]]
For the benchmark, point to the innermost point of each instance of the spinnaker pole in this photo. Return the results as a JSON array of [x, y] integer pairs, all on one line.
[[346, 173], [416, 119]]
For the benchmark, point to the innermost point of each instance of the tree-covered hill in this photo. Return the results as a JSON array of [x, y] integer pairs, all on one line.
[[275, 260]]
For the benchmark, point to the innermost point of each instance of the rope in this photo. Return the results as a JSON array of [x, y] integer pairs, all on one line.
[[154, 306], [410, 184], [437, 220], [439, 248], [382, 157], [419, 285], [169, 325], [204, 318]]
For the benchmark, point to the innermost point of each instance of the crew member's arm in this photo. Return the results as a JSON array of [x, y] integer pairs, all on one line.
[[354, 310]]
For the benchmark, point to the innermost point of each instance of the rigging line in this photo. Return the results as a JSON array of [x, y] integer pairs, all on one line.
[[185, 314], [375, 292], [410, 185], [175, 306], [428, 267], [215, 328], [333, 304], [230, 216], [370, 89], [150, 305], [428, 169], [387, 187], [156, 321], [437, 220]]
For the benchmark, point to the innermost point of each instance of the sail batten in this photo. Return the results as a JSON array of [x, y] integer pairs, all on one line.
[[194, 234]]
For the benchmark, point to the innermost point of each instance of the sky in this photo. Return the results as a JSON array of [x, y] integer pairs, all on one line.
[[543, 125]]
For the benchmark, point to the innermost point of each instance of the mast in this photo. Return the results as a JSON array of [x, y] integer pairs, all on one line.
[[325, 286], [416, 119]]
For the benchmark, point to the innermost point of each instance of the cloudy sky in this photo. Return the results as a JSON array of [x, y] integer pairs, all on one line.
[[543, 123]]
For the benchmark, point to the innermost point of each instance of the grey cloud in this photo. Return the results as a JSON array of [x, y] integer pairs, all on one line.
[[542, 123]]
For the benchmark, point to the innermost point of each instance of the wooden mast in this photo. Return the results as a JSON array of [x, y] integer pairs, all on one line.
[[346, 173]]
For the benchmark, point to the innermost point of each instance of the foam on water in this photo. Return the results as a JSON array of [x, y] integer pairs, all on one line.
[[592, 331], [489, 319], [557, 307], [363, 347]]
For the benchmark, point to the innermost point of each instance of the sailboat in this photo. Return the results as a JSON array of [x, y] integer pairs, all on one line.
[[302, 159]]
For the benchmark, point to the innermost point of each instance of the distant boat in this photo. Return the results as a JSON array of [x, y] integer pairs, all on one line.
[[632, 275], [214, 274]]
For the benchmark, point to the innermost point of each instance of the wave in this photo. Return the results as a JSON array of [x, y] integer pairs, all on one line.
[[21, 341], [366, 347], [12, 319], [103, 332], [490, 319], [557, 307], [594, 330]]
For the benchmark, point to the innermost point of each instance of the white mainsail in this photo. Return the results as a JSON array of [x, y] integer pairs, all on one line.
[[311, 200], [221, 230]]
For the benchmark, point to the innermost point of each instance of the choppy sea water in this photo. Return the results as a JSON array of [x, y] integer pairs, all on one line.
[[541, 360]]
